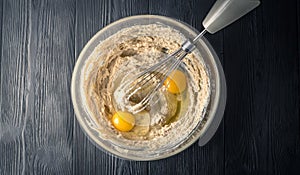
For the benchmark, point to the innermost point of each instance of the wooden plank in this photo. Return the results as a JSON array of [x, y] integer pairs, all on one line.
[[13, 85], [262, 116], [194, 160], [245, 121], [283, 111], [1, 21], [49, 130], [91, 16], [298, 25]]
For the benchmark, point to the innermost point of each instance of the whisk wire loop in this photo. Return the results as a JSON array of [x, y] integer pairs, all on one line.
[[153, 78]]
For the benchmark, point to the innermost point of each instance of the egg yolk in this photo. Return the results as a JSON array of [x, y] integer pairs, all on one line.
[[175, 82], [123, 121]]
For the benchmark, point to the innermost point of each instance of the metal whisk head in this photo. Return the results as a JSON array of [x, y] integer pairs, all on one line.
[[142, 88]]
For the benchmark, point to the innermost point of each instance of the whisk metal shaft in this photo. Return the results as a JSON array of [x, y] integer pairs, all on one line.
[[155, 76]]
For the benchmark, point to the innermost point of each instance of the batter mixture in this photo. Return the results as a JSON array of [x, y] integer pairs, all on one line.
[[123, 55]]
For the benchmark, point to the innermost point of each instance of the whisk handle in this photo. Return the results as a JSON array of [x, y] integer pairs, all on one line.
[[224, 12]]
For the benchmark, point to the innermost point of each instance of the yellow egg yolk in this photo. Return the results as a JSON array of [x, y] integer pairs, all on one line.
[[123, 121], [175, 82]]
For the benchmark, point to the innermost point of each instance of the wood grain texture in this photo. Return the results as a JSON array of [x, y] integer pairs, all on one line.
[[36, 64], [13, 94], [49, 130], [41, 39], [284, 133], [91, 16], [262, 114], [242, 153]]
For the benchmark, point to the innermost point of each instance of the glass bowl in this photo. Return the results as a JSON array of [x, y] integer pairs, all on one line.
[[204, 130]]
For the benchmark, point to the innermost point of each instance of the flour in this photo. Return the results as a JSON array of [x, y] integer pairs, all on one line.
[[120, 57]]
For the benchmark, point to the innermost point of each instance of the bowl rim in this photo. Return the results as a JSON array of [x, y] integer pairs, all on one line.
[[214, 108]]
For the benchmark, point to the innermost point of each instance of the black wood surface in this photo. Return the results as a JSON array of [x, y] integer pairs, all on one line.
[[41, 40]]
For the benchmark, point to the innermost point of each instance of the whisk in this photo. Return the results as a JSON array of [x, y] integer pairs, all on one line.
[[141, 89]]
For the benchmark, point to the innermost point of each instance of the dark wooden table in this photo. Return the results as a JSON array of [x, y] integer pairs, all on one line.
[[41, 40]]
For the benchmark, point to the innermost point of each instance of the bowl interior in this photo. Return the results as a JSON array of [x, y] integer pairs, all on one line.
[[87, 123]]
